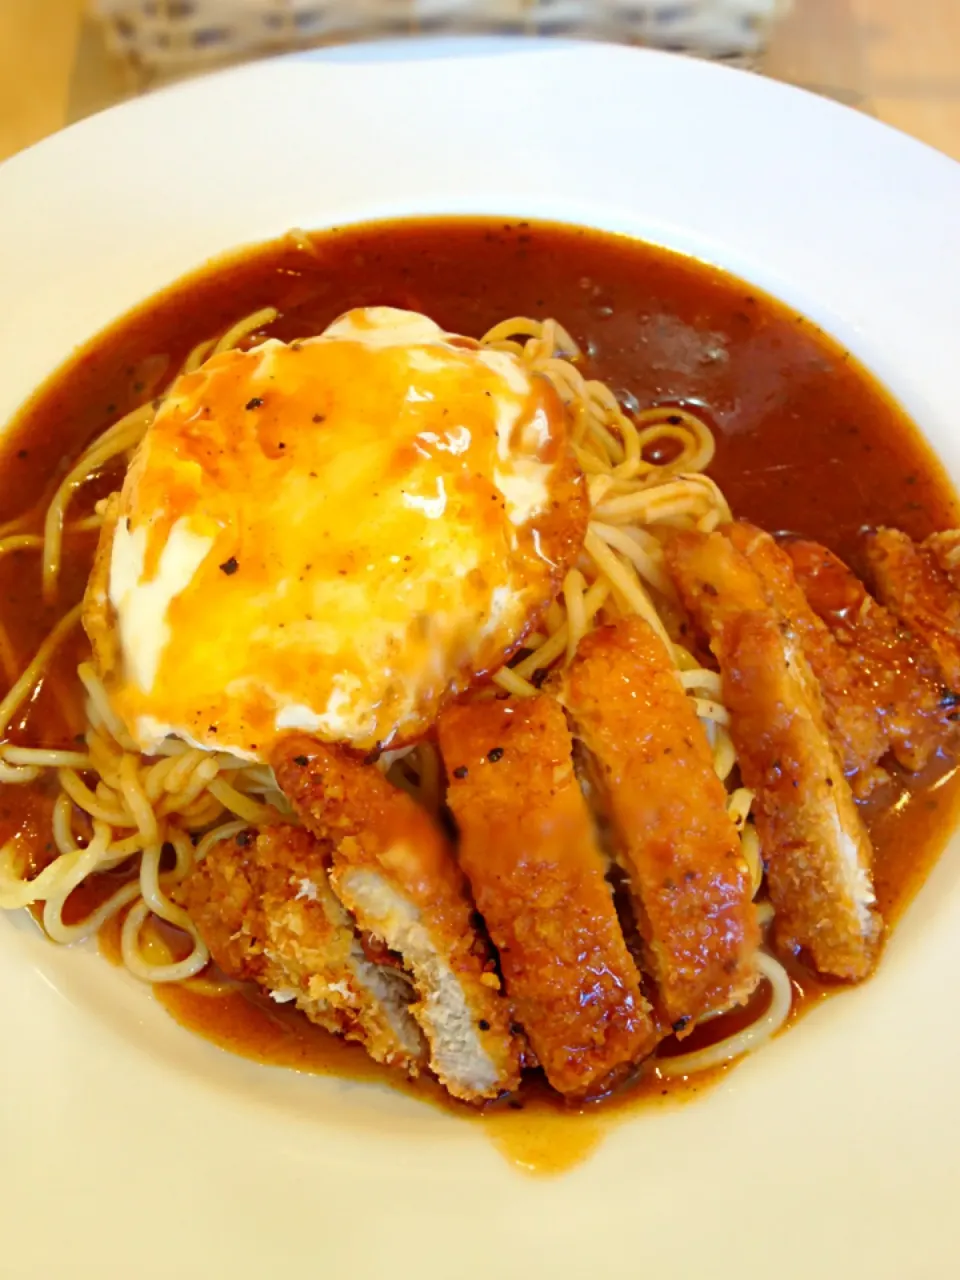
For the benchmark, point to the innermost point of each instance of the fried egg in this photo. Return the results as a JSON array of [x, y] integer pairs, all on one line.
[[333, 535]]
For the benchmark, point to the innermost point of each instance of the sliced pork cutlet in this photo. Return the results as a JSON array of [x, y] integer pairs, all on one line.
[[909, 580], [264, 907], [816, 848], [651, 767], [394, 869], [849, 703], [538, 878], [914, 703], [945, 549]]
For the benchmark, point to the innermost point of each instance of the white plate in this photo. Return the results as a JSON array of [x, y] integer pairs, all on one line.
[[133, 1148]]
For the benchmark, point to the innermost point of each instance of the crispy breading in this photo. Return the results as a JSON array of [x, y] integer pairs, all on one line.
[[538, 878], [652, 768], [850, 708], [264, 908], [395, 870], [906, 679], [909, 581], [815, 846], [945, 548]]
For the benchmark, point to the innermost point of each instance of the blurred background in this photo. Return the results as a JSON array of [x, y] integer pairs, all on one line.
[[63, 59]]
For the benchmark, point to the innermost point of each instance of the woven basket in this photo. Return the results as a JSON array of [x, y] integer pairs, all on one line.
[[169, 38]]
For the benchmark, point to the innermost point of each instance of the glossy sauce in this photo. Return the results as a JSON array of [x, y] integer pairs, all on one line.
[[350, 432], [807, 442]]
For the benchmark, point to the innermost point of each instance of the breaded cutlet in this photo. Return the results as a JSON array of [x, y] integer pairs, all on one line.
[[529, 850], [264, 907], [914, 701], [849, 704], [396, 872], [651, 767], [945, 549], [817, 851], [909, 580]]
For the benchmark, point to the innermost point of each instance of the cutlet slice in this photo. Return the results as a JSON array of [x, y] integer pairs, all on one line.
[[909, 580], [652, 769], [266, 911], [395, 871], [945, 549], [538, 878], [816, 848], [849, 704], [908, 684]]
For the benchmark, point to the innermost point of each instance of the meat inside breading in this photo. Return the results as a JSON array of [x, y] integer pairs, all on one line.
[[265, 909], [395, 870], [528, 848], [909, 580], [906, 679], [652, 770], [849, 704], [814, 843]]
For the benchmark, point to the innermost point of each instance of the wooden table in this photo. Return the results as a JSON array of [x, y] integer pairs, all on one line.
[[898, 59]]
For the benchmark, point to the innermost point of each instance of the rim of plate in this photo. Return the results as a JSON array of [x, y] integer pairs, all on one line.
[[132, 1143]]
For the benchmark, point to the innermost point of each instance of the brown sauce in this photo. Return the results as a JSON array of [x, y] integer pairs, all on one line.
[[807, 442]]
